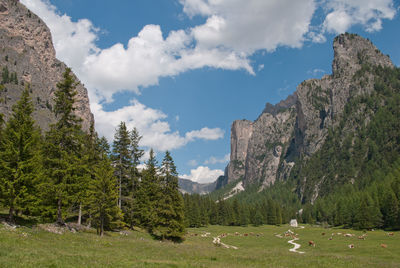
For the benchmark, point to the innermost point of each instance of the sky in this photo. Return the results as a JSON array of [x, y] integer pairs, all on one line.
[[181, 71]]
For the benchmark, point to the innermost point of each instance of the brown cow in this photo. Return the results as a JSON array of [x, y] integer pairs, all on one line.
[[311, 243], [384, 245], [351, 246]]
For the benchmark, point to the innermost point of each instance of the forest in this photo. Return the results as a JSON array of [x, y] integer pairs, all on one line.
[[66, 174]]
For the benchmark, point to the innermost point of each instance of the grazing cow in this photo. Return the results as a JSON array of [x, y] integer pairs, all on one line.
[[348, 235], [245, 234], [236, 233], [351, 246], [330, 238], [323, 234], [361, 237], [311, 243], [390, 234], [383, 245]]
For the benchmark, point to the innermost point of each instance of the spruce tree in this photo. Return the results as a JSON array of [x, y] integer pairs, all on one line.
[[103, 197], [130, 200], [19, 158], [148, 194], [170, 208], [62, 151], [122, 162]]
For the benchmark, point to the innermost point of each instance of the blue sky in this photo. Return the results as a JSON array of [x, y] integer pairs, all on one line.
[[182, 70]]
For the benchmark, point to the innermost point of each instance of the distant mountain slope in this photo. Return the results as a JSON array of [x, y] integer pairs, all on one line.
[[297, 137], [28, 57]]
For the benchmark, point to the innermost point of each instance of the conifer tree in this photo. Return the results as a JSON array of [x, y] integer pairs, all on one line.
[[148, 194], [390, 209], [103, 197], [19, 158], [130, 200], [62, 150], [122, 161], [170, 211]]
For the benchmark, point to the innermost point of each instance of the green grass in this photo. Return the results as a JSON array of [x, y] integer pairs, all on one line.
[[31, 247]]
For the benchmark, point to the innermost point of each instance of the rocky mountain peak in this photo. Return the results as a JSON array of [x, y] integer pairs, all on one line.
[[351, 51], [27, 52], [267, 149]]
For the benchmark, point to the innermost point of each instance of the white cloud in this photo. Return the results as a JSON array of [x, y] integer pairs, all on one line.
[[233, 31], [342, 14], [214, 160], [250, 25], [203, 174], [205, 133], [151, 124]]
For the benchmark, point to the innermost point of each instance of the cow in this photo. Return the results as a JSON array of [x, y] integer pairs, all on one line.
[[311, 243]]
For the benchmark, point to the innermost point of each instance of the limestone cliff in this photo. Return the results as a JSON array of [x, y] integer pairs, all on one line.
[[266, 150], [26, 51]]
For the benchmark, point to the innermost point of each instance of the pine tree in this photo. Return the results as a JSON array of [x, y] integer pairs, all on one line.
[[103, 196], [62, 151], [148, 194], [170, 208], [136, 154], [19, 158], [122, 162], [390, 210]]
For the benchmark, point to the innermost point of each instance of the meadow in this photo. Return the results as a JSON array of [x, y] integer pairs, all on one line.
[[264, 246]]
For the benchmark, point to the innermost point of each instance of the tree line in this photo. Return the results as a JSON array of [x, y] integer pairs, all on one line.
[[66, 172]]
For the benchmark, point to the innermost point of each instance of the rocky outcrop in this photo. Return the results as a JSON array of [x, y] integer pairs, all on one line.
[[266, 150], [191, 187], [241, 132], [26, 50]]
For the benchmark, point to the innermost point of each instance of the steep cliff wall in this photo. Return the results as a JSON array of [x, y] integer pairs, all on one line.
[[298, 126], [26, 49]]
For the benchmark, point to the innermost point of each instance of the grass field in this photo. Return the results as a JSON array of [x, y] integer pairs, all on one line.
[[32, 247]]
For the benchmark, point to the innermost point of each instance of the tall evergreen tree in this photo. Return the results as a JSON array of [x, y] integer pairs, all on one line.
[[130, 200], [63, 150], [19, 158], [170, 208], [122, 161], [148, 194], [103, 196]]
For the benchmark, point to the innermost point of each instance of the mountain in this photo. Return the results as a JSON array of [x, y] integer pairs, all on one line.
[[191, 187], [28, 58], [312, 136]]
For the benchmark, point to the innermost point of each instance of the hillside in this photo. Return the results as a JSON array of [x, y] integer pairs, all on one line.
[[287, 138], [28, 58]]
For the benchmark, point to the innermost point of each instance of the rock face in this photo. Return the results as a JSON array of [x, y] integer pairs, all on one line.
[[265, 150], [27, 51], [191, 187]]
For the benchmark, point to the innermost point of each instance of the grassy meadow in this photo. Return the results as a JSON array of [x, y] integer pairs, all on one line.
[[33, 247]]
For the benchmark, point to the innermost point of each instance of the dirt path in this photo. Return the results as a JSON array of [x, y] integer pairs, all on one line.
[[217, 242], [296, 246]]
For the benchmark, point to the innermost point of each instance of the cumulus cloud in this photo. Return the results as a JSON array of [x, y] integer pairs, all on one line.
[[151, 124], [214, 160], [251, 25], [203, 174], [342, 14], [232, 32]]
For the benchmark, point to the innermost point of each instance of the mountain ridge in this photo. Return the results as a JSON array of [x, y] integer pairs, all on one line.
[[266, 150]]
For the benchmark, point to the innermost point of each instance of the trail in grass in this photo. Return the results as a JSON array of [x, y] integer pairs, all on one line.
[[217, 242], [296, 246]]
